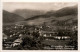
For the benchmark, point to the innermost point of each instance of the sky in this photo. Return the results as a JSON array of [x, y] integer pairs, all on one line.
[[46, 6]]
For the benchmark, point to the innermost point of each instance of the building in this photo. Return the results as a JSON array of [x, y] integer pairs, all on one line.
[[5, 37], [17, 42]]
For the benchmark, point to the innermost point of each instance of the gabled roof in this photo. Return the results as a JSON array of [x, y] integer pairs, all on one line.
[[18, 40], [5, 36]]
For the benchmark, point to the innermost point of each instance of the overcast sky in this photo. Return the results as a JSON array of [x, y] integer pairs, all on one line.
[[11, 6]]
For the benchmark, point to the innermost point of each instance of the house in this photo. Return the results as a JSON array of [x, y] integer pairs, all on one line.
[[11, 35], [48, 34], [20, 35], [5, 37], [8, 44], [17, 42]]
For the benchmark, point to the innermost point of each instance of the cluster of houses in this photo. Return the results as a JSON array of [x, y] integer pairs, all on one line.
[[14, 37], [8, 43], [47, 35], [54, 36]]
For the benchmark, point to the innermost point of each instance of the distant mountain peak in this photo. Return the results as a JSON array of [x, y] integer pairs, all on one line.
[[11, 17], [27, 13]]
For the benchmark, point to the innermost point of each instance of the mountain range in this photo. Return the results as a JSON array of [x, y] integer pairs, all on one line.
[[68, 15], [27, 13]]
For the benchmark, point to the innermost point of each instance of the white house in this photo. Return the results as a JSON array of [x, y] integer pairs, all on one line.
[[17, 42], [4, 37]]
